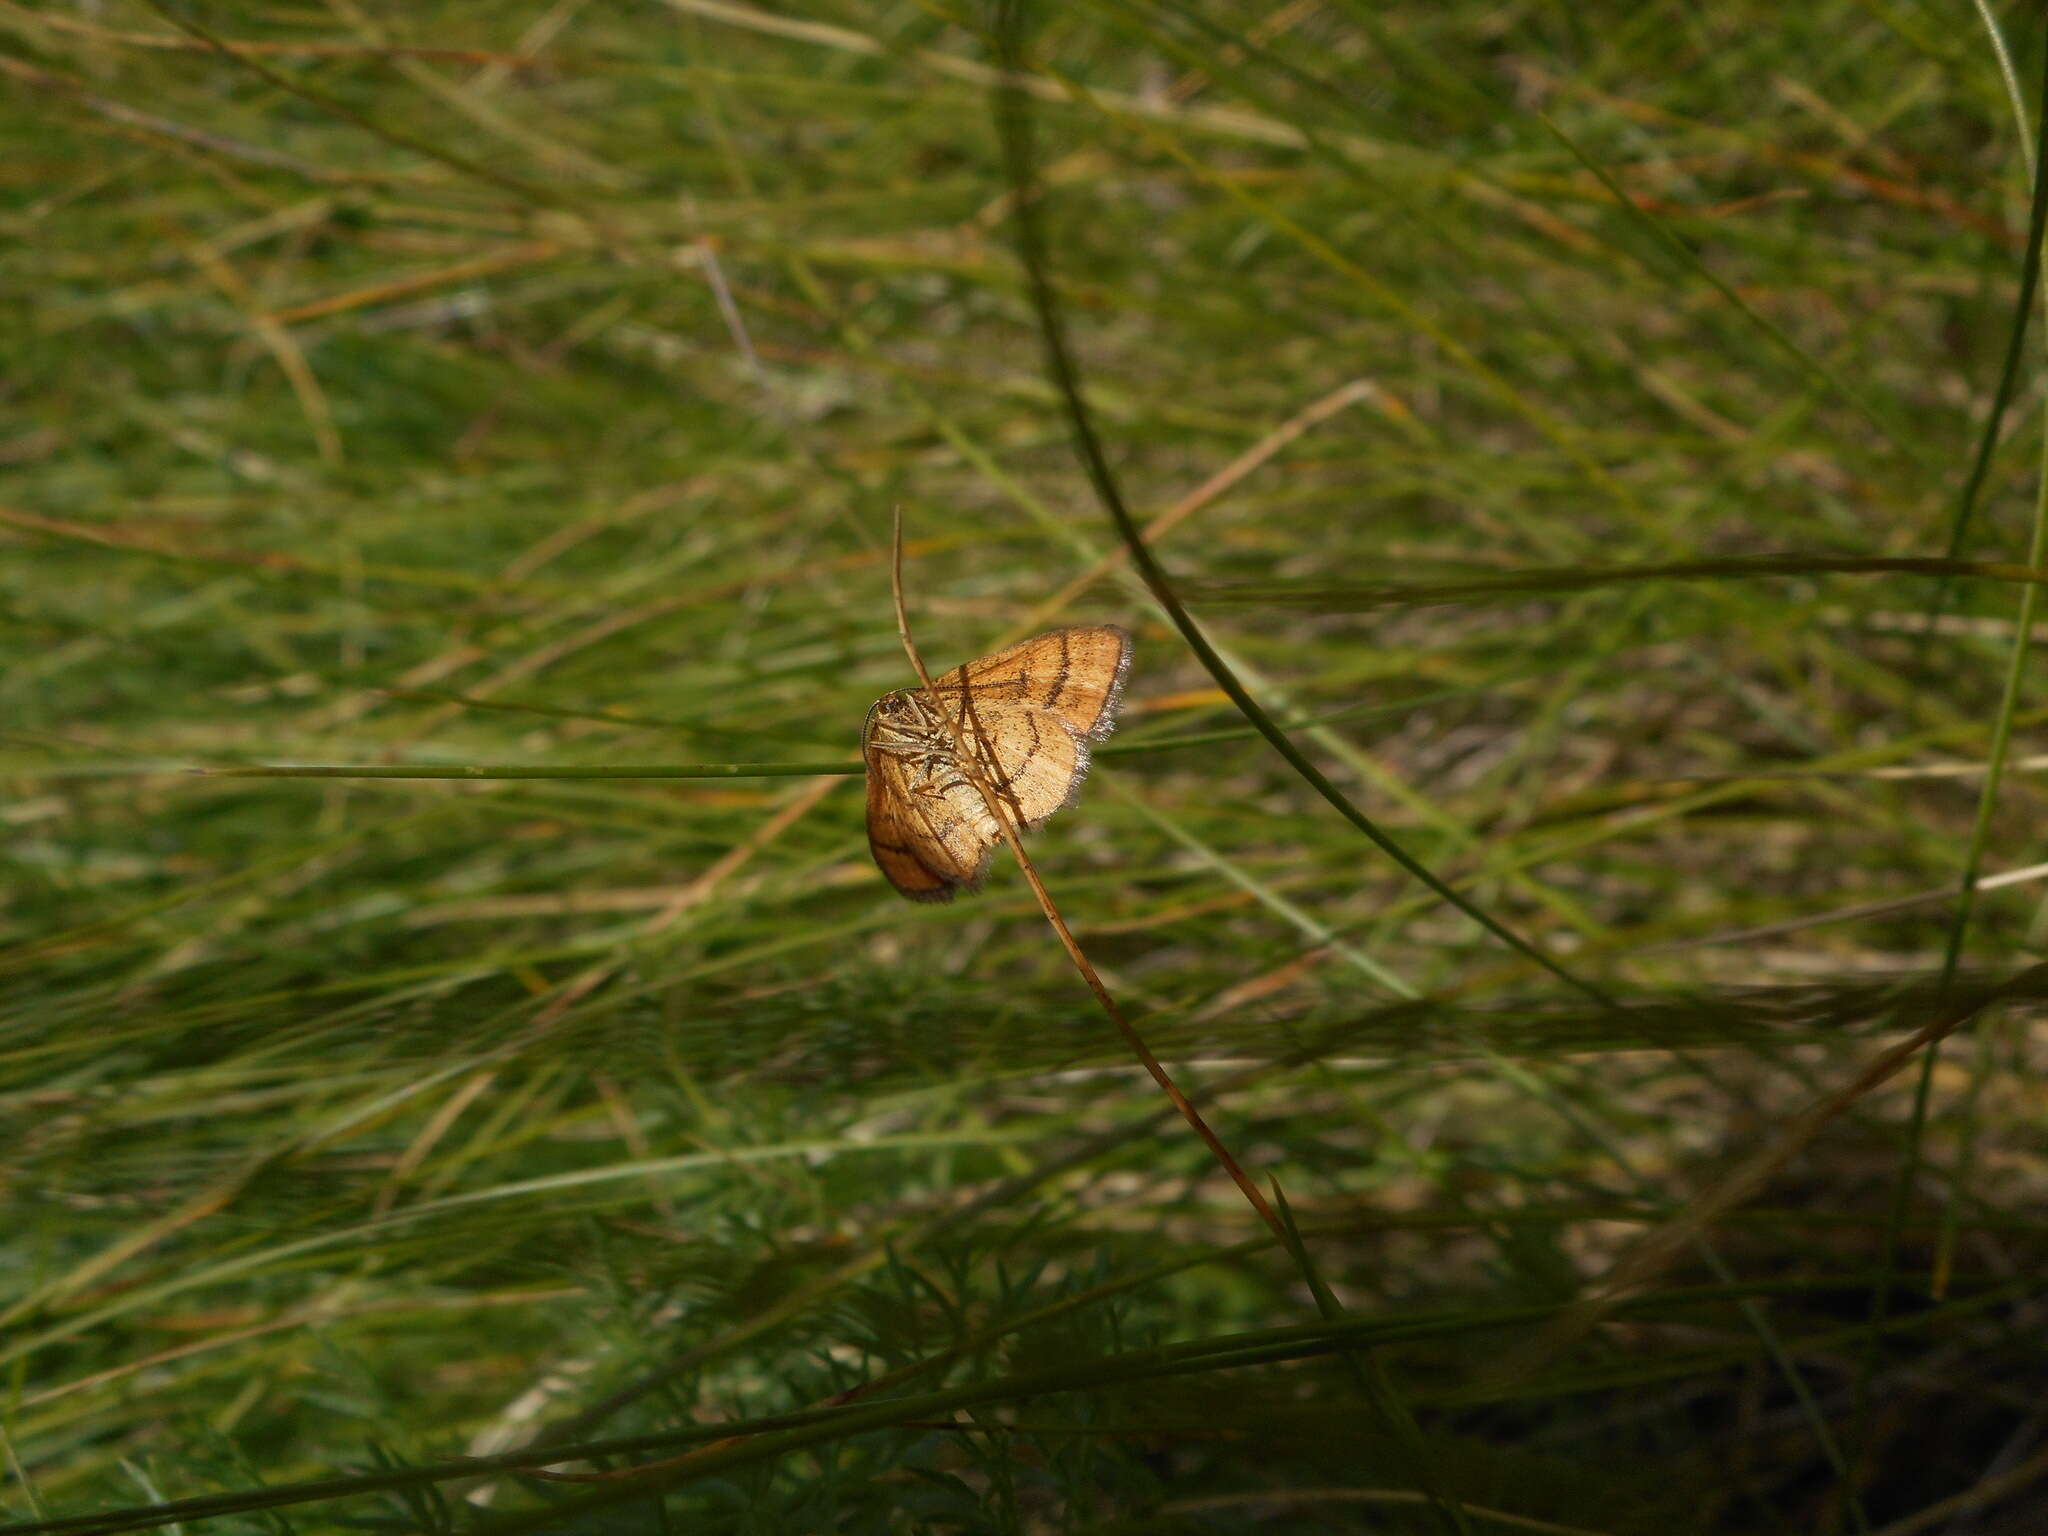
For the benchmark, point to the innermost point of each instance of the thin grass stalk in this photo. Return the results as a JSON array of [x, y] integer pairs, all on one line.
[[970, 764]]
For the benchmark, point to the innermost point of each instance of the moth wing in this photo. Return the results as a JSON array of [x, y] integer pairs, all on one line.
[[929, 846], [1029, 756], [1075, 674]]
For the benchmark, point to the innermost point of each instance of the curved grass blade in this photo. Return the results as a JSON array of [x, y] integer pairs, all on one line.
[[2015, 343], [1014, 124]]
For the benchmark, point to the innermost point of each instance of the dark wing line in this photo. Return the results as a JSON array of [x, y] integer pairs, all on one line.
[[1112, 696]]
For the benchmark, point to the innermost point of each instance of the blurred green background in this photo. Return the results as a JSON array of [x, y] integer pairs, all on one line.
[[1526, 390]]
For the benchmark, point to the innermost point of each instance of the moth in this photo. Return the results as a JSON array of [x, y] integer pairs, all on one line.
[[1027, 712]]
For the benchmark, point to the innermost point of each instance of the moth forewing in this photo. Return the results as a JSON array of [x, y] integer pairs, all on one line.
[[1076, 673]]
